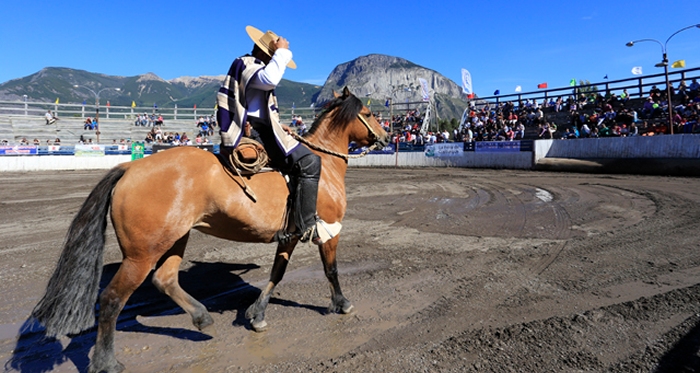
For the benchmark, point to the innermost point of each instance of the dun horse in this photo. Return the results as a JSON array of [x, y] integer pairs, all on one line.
[[194, 191]]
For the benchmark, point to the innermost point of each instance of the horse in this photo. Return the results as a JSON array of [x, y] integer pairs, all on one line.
[[195, 191]]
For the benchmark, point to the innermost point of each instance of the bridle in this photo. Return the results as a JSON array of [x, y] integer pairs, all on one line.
[[319, 148]]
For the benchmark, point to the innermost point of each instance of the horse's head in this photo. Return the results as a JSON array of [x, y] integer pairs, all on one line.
[[363, 127]]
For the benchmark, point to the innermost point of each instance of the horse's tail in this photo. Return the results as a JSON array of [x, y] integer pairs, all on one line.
[[68, 307]]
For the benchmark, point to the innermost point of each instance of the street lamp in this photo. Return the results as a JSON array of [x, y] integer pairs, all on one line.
[[664, 63], [97, 106]]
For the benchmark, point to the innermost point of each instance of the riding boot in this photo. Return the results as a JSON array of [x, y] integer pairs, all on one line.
[[305, 175], [309, 172]]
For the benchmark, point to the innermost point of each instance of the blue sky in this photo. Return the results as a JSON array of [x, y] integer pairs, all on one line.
[[502, 43]]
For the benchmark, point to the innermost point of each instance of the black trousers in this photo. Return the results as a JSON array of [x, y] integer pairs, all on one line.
[[301, 164]]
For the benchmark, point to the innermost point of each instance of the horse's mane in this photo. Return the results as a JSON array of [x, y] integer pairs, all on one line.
[[343, 109]]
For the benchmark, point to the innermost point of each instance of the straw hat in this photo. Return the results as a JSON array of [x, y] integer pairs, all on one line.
[[266, 42]]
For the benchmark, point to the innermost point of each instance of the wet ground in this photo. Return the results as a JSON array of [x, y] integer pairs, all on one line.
[[449, 270]]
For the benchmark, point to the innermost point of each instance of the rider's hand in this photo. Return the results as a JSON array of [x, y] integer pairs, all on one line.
[[281, 43]]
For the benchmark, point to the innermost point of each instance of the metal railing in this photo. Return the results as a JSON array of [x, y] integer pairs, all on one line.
[[637, 87]]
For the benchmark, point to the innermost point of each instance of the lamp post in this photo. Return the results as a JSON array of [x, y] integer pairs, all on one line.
[[97, 106], [664, 63]]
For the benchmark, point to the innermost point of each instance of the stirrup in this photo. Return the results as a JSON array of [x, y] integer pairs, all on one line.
[[310, 234], [284, 237]]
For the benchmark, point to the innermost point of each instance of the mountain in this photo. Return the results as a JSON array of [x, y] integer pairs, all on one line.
[[374, 77], [380, 77], [145, 90]]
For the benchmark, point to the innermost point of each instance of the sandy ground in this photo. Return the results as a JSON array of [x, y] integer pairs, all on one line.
[[450, 270]]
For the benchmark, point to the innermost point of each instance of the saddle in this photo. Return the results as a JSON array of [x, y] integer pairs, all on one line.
[[249, 158]]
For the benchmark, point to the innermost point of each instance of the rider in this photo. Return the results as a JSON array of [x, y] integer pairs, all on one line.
[[247, 96]]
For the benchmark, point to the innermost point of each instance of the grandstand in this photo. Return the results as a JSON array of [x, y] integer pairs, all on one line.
[[69, 130]]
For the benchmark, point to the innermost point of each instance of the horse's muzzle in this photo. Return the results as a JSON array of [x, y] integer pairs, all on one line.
[[381, 142]]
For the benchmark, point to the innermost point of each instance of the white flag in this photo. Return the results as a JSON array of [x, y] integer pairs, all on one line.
[[466, 82], [518, 89], [424, 89], [637, 70]]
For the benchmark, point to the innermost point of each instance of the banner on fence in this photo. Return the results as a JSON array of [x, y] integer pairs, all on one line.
[[389, 149], [89, 150], [450, 149], [498, 146], [137, 149], [19, 150], [161, 147]]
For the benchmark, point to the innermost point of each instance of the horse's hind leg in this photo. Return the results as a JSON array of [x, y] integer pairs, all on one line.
[[256, 311], [165, 279], [129, 276], [338, 301]]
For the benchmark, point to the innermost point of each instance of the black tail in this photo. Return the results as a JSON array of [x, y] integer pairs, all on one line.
[[68, 307]]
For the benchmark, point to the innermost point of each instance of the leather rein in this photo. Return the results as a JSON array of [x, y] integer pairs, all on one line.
[[341, 155]]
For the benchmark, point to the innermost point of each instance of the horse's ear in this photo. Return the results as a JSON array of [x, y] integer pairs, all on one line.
[[346, 92], [336, 94]]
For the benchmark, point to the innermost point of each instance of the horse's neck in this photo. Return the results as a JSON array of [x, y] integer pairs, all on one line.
[[336, 142]]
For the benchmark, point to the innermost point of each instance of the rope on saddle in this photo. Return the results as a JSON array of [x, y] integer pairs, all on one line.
[[249, 156]]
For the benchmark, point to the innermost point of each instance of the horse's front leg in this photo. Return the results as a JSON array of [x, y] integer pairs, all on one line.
[[256, 311], [338, 301]]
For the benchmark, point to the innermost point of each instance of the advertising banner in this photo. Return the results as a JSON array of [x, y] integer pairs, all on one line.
[[450, 149], [89, 150], [19, 150], [497, 146], [389, 149], [137, 149]]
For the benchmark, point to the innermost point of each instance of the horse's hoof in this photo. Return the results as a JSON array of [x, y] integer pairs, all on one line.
[[202, 322], [115, 368], [259, 326], [348, 310]]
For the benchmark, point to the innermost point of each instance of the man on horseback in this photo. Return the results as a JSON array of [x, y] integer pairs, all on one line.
[[247, 96]]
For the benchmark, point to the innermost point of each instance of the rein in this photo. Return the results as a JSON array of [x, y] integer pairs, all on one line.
[[341, 155]]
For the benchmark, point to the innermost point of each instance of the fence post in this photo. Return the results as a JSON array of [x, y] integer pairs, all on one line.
[[175, 113], [641, 93]]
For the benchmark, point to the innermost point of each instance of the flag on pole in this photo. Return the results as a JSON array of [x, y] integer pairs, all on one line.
[[637, 70], [605, 77], [497, 92], [518, 88], [195, 106], [678, 64], [542, 85], [425, 90], [56, 100], [466, 82], [107, 103], [386, 103], [572, 82], [470, 96], [369, 101], [133, 104]]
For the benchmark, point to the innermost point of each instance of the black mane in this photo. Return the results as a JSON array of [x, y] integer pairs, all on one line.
[[343, 109]]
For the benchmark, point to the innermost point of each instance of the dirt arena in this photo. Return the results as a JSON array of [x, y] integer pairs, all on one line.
[[449, 270]]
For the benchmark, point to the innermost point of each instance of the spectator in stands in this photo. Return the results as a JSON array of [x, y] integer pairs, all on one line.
[[159, 120], [184, 140], [88, 124], [24, 141], [57, 141], [694, 89], [50, 118]]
